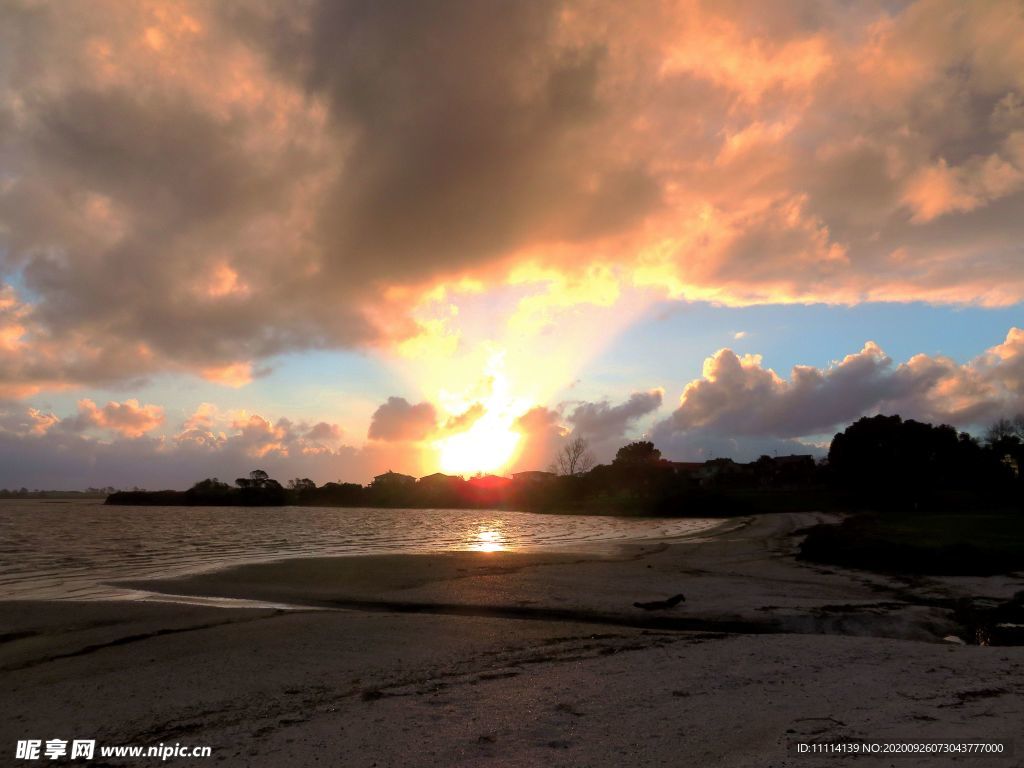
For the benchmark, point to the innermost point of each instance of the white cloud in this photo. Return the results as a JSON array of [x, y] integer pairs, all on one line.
[[738, 397]]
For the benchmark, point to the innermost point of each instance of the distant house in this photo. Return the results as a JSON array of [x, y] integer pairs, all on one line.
[[393, 480], [488, 490], [686, 467], [442, 490], [795, 469], [489, 481], [781, 471], [724, 472], [795, 458], [715, 468], [439, 479], [533, 476], [1012, 463], [688, 472]]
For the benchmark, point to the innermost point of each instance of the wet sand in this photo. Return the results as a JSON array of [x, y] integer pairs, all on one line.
[[520, 659]]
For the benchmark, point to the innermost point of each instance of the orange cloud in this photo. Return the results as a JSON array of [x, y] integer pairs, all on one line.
[[263, 202], [715, 47], [12, 314], [232, 375], [203, 417], [939, 189], [225, 281], [129, 419]]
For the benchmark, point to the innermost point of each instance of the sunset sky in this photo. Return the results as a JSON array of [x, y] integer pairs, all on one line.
[[332, 238]]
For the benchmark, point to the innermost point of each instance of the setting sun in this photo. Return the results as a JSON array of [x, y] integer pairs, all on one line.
[[481, 435], [488, 446]]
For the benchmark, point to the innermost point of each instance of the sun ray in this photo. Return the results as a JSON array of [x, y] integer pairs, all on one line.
[[489, 443]]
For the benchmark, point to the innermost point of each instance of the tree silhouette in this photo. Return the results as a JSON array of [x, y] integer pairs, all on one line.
[[257, 479], [575, 458], [642, 452], [1006, 433], [887, 461], [210, 485], [1005, 438]]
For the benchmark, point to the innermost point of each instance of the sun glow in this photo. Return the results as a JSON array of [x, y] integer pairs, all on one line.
[[484, 358], [488, 446], [481, 433], [487, 539]]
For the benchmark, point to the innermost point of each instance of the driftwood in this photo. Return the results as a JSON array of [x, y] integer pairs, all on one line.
[[661, 605]]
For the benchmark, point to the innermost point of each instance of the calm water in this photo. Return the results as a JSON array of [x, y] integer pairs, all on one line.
[[61, 550]]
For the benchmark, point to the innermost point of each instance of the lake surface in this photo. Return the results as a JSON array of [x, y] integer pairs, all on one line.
[[68, 550]]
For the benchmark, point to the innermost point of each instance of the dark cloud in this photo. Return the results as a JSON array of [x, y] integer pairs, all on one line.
[[605, 427], [322, 431], [466, 419], [540, 419], [399, 420], [469, 130], [542, 435], [196, 187], [603, 421], [453, 133]]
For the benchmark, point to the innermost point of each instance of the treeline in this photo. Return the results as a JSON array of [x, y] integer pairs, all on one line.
[[879, 462], [25, 493], [885, 462], [934, 501], [638, 481]]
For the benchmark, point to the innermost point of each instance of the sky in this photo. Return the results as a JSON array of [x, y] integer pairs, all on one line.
[[329, 238]]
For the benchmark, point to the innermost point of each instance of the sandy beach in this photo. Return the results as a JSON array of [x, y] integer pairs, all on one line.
[[506, 658]]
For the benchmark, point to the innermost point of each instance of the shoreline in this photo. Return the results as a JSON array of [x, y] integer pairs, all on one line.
[[773, 593], [110, 544], [399, 570], [525, 660]]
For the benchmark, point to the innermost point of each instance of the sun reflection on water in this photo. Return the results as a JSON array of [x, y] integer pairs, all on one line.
[[487, 538]]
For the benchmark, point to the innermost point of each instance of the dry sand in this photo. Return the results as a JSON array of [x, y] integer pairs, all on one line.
[[511, 659]]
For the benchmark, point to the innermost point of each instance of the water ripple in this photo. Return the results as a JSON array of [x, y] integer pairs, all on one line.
[[69, 550]]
